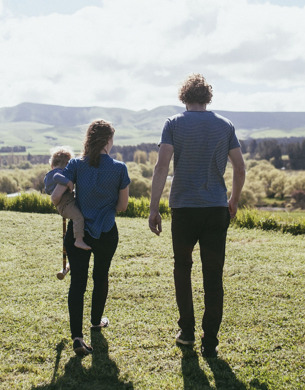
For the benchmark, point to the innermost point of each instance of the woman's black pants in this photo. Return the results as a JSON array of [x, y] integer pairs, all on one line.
[[103, 250]]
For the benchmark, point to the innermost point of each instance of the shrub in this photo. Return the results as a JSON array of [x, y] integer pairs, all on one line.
[[268, 223], [298, 199], [147, 170], [28, 202], [8, 185], [139, 187], [294, 228], [3, 199], [139, 208], [246, 218]]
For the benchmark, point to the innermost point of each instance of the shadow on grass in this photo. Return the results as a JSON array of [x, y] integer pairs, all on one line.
[[225, 378], [103, 373], [195, 378]]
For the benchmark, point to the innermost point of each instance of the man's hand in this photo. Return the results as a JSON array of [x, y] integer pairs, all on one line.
[[155, 222], [232, 208]]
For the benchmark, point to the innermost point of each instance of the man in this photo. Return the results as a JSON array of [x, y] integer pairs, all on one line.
[[201, 142]]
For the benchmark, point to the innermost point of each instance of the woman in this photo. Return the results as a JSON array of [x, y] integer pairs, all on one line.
[[101, 190]]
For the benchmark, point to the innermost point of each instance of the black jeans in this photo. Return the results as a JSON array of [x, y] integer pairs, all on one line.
[[208, 226], [103, 250]]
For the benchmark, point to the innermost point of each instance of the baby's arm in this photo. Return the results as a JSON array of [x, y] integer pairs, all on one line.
[[61, 179]]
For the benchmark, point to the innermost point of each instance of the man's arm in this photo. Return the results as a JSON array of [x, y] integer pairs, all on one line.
[[239, 174], [158, 182]]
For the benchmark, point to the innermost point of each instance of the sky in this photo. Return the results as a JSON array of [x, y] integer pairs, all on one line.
[[135, 54]]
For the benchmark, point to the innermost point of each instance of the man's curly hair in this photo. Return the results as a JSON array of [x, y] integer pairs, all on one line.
[[97, 137], [195, 89]]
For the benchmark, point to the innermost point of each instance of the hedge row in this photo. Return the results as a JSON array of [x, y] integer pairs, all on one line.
[[28, 202], [39, 203], [139, 208], [255, 219]]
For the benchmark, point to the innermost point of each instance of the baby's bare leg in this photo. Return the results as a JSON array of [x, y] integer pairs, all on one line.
[[80, 243], [71, 211]]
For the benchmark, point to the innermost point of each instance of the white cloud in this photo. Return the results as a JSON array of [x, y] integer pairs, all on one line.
[[260, 101], [135, 54]]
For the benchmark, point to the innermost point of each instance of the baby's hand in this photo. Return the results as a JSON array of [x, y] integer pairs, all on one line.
[[70, 185]]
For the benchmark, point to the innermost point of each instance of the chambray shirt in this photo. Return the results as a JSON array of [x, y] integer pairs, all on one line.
[[97, 190], [202, 141]]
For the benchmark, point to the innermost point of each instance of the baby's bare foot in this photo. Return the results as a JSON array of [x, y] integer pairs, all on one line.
[[80, 243]]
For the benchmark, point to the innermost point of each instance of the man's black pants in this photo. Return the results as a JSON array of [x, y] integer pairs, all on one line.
[[209, 226]]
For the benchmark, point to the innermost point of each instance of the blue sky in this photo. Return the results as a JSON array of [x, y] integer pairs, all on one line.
[[134, 54]]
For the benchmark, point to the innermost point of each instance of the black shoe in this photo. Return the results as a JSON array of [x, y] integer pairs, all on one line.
[[80, 348], [103, 324], [185, 338], [208, 352]]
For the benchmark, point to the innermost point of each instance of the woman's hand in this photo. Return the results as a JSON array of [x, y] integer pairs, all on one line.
[[70, 186]]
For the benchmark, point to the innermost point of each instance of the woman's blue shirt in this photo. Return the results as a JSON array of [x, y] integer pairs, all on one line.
[[97, 190]]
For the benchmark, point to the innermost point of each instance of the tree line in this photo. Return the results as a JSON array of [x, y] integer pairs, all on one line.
[[12, 149], [288, 153]]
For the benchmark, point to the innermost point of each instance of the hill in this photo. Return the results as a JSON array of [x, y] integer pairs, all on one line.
[[41, 126]]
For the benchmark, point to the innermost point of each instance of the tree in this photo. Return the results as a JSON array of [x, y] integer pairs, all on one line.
[[140, 157], [119, 156], [296, 153], [270, 149], [153, 157], [252, 147]]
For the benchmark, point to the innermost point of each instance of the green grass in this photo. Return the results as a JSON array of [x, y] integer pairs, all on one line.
[[262, 342]]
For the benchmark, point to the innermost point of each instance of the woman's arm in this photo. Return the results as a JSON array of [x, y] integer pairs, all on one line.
[[58, 193], [123, 199]]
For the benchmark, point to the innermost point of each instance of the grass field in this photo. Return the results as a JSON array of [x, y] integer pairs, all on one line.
[[262, 337]]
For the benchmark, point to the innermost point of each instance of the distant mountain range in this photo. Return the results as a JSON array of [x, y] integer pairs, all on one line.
[[38, 127]]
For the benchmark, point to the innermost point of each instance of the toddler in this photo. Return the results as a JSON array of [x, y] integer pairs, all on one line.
[[66, 206]]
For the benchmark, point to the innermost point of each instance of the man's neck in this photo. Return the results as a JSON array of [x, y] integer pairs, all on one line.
[[196, 107]]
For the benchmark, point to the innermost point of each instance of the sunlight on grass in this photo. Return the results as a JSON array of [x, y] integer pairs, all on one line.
[[262, 343]]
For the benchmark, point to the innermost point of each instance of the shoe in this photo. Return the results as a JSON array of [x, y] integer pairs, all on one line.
[[209, 352], [185, 338], [103, 324], [80, 348]]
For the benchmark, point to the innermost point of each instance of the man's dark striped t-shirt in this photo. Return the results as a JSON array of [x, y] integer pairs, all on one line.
[[202, 141]]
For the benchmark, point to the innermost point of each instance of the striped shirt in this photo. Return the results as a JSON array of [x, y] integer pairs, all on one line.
[[202, 141]]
